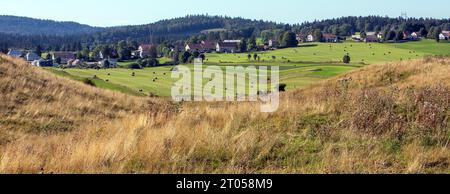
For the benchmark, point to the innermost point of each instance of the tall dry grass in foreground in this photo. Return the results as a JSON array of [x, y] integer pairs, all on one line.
[[391, 118]]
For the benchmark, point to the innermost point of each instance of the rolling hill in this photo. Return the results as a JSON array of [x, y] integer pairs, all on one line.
[[31, 26], [388, 118]]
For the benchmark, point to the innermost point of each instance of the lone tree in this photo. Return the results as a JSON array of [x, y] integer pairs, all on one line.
[[289, 40], [255, 56], [249, 56], [346, 59]]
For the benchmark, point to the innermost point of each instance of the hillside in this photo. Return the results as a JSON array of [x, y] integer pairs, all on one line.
[[30, 26], [388, 118], [22, 32]]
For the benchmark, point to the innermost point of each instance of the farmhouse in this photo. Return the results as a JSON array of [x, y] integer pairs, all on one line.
[[227, 47], [15, 53], [327, 37], [193, 47], [208, 46], [371, 37], [145, 50], [204, 46], [300, 37], [32, 56], [63, 56], [444, 35]]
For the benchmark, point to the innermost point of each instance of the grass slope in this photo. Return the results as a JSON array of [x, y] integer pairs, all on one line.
[[392, 118]]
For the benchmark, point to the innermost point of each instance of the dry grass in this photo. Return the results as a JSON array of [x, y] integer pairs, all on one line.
[[391, 118]]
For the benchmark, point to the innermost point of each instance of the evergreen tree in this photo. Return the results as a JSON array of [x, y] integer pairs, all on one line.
[[289, 40]]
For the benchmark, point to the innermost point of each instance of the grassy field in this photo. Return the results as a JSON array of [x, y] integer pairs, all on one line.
[[391, 118], [299, 67]]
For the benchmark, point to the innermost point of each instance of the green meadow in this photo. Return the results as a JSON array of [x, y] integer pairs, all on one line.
[[299, 67]]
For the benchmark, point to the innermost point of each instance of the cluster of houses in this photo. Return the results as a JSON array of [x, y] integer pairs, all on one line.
[[368, 37], [326, 37], [444, 35], [226, 46], [67, 58]]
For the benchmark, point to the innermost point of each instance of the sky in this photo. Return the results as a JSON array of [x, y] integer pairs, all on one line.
[[120, 12]]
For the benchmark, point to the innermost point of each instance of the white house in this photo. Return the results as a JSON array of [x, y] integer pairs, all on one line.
[[444, 35], [145, 50], [63, 56]]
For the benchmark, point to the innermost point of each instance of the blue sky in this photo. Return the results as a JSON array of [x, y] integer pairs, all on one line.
[[121, 12]]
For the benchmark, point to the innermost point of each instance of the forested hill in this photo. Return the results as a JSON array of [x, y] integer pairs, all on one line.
[[20, 32], [346, 26], [182, 27], [29, 32], [30, 26]]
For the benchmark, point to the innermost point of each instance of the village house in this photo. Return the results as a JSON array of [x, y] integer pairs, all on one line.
[[193, 47], [371, 37], [227, 47], [203, 47], [327, 37], [15, 53], [63, 56], [145, 50], [208, 46], [32, 56], [310, 38], [444, 35]]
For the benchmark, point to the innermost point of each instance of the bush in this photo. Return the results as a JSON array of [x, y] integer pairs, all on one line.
[[346, 59], [282, 87]]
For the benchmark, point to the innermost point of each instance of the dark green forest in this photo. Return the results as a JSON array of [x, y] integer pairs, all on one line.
[[53, 36]]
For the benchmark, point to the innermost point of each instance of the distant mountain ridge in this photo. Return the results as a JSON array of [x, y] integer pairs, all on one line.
[[30, 26]]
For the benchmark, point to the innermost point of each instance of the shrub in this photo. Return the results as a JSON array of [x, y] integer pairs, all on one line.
[[346, 59], [282, 87]]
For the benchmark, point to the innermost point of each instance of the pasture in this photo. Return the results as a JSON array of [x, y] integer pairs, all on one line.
[[299, 67]]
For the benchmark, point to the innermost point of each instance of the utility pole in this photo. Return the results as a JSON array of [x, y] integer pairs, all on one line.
[[404, 16]]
